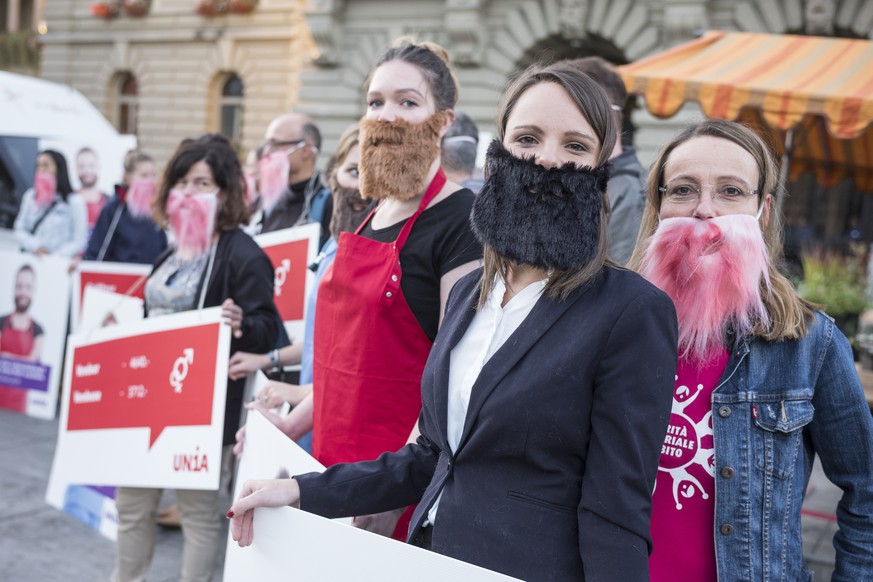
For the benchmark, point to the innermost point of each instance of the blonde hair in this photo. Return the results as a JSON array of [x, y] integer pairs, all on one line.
[[789, 313], [347, 141]]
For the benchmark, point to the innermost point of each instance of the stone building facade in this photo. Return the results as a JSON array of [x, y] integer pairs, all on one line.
[[313, 55]]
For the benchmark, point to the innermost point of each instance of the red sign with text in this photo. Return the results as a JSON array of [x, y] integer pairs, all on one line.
[[152, 380], [114, 282], [289, 283]]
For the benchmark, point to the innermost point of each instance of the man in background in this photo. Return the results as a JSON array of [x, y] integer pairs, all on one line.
[[459, 149], [290, 187]]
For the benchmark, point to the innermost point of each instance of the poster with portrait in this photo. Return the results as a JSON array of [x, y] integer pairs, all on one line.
[[290, 544], [143, 405], [292, 250], [34, 305], [94, 505], [126, 279]]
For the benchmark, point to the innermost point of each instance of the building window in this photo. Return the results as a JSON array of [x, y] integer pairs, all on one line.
[[128, 104], [230, 109]]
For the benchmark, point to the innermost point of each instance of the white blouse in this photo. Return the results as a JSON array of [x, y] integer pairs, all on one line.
[[490, 328]]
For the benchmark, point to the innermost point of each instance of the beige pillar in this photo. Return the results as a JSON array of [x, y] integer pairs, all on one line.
[[13, 10]]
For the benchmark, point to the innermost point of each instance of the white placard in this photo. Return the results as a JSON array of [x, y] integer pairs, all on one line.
[[101, 308], [290, 544], [143, 405]]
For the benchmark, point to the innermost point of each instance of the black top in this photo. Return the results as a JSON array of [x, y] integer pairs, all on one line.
[[440, 241], [241, 272], [37, 328], [134, 240]]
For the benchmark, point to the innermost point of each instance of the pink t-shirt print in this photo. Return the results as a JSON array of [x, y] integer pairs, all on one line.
[[683, 504]]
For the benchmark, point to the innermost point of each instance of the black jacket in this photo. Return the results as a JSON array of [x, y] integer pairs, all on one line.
[[553, 476], [133, 240], [241, 272]]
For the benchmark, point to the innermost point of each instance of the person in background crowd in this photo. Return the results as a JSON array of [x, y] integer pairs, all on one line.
[[389, 280], [349, 209], [125, 231], [52, 218], [87, 167], [212, 263], [627, 181], [290, 186], [765, 381], [459, 149], [21, 336], [539, 444]]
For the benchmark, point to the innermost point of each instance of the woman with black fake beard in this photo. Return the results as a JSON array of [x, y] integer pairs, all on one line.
[[212, 263], [547, 393], [381, 301], [765, 382]]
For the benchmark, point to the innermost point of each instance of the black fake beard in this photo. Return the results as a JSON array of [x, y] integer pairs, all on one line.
[[543, 217], [349, 209]]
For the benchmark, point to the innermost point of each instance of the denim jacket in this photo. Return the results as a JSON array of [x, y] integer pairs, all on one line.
[[777, 405]]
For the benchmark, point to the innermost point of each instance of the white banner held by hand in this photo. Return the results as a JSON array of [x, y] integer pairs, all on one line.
[[290, 544]]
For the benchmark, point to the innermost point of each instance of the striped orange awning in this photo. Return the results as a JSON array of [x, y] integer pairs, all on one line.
[[820, 87]]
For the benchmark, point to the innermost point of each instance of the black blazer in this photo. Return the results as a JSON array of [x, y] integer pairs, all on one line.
[[242, 272], [553, 476]]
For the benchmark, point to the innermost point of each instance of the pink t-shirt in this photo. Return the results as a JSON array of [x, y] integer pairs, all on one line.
[[683, 505]]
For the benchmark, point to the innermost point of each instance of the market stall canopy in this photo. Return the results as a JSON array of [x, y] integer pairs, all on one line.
[[821, 88]]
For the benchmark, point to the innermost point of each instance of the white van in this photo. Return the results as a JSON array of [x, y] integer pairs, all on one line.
[[36, 115]]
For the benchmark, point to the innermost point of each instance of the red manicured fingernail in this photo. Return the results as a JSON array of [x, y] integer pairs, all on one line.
[[229, 514]]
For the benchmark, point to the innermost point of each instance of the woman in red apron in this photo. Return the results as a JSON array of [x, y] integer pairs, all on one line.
[[380, 303]]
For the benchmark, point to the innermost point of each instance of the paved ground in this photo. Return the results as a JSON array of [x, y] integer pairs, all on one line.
[[39, 543]]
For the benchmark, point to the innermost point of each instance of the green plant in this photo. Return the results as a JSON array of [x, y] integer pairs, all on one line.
[[835, 281]]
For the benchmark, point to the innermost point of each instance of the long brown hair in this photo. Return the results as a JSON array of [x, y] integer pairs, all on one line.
[[594, 106], [789, 313]]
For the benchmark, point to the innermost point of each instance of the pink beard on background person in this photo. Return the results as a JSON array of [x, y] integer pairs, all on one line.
[[44, 187], [139, 198], [273, 170], [251, 188], [712, 270], [192, 220]]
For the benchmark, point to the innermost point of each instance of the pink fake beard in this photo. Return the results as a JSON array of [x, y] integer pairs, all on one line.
[[139, 198], [712, 270], [44, 187], [273, 177], [192, 220], [251, 189]]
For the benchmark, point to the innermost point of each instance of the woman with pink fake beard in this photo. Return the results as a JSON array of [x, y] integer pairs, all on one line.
[[125, 231], [765, 381], [211, 263], [52, 218]]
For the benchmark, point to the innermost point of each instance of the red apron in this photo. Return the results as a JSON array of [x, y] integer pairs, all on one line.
[[369, 349], [18, 342]]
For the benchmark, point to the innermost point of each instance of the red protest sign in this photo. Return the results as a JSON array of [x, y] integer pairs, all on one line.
[[114, 282], [289, 285], [153, 380], [122, 278]]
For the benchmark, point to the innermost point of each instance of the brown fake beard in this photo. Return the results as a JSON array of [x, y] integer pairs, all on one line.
[[397, 156], [349, 209]]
